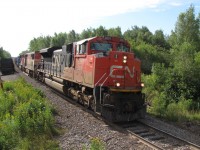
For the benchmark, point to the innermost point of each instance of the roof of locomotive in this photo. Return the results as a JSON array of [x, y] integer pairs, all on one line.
[[84, 40], [57, 51], [106, 38]]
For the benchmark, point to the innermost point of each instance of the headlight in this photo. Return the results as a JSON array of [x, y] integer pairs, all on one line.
[[117, 84], [125, 57], [142, 84], [124, 61]]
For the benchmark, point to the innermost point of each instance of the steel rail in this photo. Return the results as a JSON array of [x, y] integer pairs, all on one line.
[[171, 135]]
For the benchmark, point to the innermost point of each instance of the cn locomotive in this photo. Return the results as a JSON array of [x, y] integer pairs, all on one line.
[[99, 72]]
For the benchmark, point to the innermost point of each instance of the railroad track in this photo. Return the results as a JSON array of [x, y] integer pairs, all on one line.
[[156, 138]]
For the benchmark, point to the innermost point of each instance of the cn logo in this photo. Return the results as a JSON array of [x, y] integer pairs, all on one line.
[[56, 61], [126, 69]]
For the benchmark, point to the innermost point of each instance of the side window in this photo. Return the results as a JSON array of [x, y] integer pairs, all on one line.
[[77, 49], [81, 49]]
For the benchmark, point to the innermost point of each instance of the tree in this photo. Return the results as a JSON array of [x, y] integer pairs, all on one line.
[[87, 33], [72, 37], [139, 35], [39, 43], [187, 28], [4, 53], [115, 32], [100, 31], [58, 39], [158, 39]]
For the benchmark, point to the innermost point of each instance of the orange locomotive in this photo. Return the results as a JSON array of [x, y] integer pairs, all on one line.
[[100, 72]]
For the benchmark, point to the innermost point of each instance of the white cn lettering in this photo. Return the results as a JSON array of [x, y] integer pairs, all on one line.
[[126, 68], [112, 69], [129, 71], [56, 60]]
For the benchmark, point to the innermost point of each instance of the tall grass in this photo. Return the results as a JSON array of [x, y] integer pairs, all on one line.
[[26, 120]]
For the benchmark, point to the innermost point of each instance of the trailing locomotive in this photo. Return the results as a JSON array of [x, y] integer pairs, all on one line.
[[7, 66], [100, 72]]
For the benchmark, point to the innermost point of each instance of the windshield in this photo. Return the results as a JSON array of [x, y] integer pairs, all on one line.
[[121, 47], [101, 46]]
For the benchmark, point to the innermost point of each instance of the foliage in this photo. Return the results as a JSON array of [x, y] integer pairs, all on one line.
[[187, 29], [100, 31], [39, 43], [150, 54], [26, 120], [115, 32], [173, 88], [96, 144], [4, 53]]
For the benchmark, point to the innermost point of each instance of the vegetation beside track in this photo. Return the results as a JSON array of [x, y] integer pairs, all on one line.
[[26, 118]]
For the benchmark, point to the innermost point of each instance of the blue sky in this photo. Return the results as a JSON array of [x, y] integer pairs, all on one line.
[[22, 20]]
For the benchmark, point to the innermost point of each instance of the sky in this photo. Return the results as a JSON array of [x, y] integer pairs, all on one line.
[[23, 20]]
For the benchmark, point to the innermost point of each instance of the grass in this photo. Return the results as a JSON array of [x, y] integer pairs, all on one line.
[[26, 119], [95, 144], [175, 111]]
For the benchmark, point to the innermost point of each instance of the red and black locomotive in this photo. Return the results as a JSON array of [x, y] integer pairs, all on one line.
[[100, 72]]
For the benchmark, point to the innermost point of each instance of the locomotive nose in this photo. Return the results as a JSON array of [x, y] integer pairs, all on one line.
[[122, 70]]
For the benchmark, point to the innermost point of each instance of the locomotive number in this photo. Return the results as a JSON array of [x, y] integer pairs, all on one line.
[[126, 69]]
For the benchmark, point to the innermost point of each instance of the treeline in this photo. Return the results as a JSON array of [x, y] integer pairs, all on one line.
[[170, 63], [4, 53]]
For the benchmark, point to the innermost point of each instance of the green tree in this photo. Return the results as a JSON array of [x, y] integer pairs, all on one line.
[[87, 33], [58, 39], [187, 28], [100, 31], [159, 40], [138, 35], [4, 53], [72, 36], [39, 43], [115, 32]]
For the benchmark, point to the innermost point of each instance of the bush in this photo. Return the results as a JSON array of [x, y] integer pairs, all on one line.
[[26, 120], [170, 96]]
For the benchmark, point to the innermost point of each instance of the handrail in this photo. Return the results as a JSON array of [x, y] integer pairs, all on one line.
[[104, 82], [100, 79]]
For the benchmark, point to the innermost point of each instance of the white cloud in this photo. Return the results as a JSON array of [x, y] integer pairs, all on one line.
[[175, 4]]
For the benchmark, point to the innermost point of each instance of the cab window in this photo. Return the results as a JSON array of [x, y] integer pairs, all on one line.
[[123, 48], [81, 49], [101, 46]]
